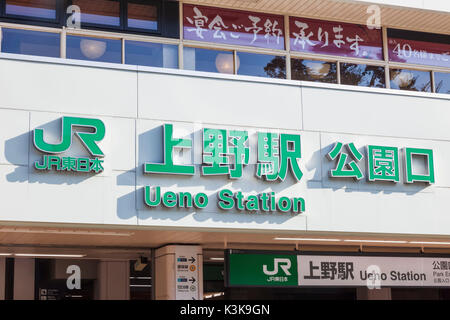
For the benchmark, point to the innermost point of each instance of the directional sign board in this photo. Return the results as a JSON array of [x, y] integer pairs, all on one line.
[[186, 273]]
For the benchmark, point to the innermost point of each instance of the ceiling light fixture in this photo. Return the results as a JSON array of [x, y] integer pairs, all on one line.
[[73, 232], [376, 241], [428, 242], [50, 255], [307, 239]]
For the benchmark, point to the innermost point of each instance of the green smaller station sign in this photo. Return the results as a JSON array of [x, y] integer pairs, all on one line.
[[278, 270]]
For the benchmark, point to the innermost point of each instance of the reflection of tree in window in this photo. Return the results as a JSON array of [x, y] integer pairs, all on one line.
[[442, 82], [362, 75], [440, 86], [276, 68], [310, 70], [410, 80]]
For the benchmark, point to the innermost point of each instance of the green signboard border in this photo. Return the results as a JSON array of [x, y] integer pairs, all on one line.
[[227, 253]]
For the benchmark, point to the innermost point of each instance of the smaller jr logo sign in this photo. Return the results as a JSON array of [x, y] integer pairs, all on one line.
[[284, 264], [88, 139]]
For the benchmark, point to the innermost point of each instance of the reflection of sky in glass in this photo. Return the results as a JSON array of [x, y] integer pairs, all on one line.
[[442, 81], [34, 43], [30, 11], [252, 64], [313, 70], [151, 54], [143, 24], [412, 80], [203, 59], [362, 75], [99, 19], [94, 49]]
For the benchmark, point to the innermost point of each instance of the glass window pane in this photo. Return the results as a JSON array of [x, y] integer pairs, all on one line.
[[34, 43], [412, 80], [363, 75], [419, 47], [261, 65], [314, 70], [94, 49], [45, 9], [208, 60], [151, 54], [142, 16], [103, 12], [442, 82]]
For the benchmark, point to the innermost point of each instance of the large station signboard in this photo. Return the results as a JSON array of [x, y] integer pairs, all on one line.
[[246, 269]]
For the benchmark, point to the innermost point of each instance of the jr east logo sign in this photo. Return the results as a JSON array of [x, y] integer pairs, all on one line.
[[70, 127], [269, 270]]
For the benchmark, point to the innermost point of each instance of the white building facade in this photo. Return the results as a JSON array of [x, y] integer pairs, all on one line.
[[104, 162]]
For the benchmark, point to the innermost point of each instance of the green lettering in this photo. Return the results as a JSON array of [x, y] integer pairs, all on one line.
[[170, 199], [284, 204], [240, 201], [252, 203], [44, 164], [226, 200], [157, 199], [185, 200], [201, 200], [299, 205]]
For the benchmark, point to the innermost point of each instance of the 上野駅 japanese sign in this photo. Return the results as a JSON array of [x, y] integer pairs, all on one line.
[[282, 270]]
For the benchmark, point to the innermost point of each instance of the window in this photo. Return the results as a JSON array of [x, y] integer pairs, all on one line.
[[34, 43], [43, 9], [363, 75], [99, 12], [51, 279], [261, 65], [419, 48], [208, 60], [140, 281], [314, 70], [142, 16], [94, 49], [442, 82], [151, 54], [412, 80]]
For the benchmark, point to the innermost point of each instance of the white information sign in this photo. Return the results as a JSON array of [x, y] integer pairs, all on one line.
[[373, 271], [186, 273]]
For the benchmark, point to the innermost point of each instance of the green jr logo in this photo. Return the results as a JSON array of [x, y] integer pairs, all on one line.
[[89, 140]]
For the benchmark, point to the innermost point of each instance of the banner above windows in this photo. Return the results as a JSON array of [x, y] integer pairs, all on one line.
[[233, 27], [335, 38], [418, 48]]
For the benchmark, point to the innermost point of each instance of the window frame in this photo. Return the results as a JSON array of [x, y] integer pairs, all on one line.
[[47, 30], [30, 20], [366, 64], [123, 18], [433, 79], [328, 60], [95, 36], [124, 43], [155, 3], [125, 33], [414, 68]]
